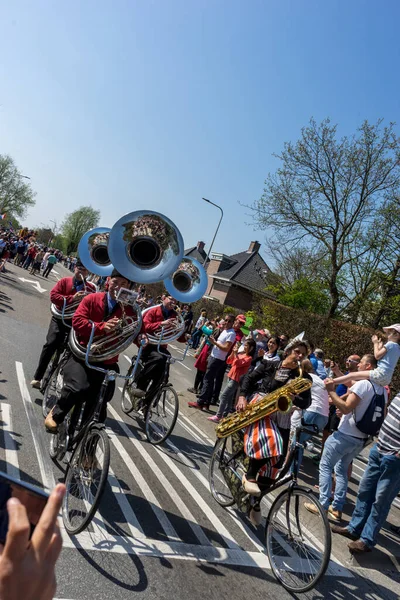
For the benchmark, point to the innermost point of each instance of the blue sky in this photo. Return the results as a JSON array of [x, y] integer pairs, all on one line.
[[127, 105]]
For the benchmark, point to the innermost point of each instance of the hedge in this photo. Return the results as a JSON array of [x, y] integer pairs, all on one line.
[[337, 339]]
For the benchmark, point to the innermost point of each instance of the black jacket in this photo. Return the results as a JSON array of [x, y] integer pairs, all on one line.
[[263, 380]]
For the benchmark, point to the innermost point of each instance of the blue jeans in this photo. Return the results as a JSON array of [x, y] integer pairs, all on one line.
[[227, 398], [339, 450], [378, 488], [310, 418]]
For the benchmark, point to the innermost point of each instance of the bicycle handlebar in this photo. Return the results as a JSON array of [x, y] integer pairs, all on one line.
[[110, 373], [171, 359]]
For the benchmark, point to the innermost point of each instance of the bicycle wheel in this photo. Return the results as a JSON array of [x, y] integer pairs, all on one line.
[[161, 415], [53, 390], [298, 542], [85, 479], [126, 399], [57, 443], [51, 367], [220, 473]]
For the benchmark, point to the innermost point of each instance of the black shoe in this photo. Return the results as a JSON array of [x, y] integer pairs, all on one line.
[[192, 390]]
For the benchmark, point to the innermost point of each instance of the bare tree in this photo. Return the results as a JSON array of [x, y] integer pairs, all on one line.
[[327, 191]]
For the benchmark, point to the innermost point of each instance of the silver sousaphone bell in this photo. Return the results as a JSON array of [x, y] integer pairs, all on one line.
[[93, 251], [145, 246], [188, 283]]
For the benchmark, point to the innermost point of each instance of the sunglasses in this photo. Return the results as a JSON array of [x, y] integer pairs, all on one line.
[[353, 361]]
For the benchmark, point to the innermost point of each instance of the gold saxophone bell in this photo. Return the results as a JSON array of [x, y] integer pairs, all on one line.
[[145, 246], [279, 400]]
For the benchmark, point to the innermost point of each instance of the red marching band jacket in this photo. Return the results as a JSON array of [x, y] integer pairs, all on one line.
[[94, 308], [65, 289], [152, 320]]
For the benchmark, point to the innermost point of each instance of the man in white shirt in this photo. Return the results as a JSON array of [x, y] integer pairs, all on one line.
[[345, 443], [216, 363]]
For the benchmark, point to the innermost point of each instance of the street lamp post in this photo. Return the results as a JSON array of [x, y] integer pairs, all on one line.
[[55, 230], [216, 231]]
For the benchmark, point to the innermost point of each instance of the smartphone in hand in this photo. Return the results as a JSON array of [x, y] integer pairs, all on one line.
[[34, 499]]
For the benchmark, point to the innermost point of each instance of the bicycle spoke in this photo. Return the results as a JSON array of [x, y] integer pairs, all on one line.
[[298, 542], [161, 415], [85, 480]]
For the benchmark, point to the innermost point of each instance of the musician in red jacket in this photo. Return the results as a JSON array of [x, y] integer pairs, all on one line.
[[157, 317], [71, 288], [80, 382]]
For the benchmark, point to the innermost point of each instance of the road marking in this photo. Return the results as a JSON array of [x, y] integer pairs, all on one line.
[[128, 358], [182, 551], [126, 509], [203, 480], [182, 365], [144, 486], [195, 428], [35, 284], [10, 445], [219, 526], [56, 272], [45, 466], [184, 510]]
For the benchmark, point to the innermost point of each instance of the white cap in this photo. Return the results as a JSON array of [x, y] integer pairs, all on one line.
[[396, 327]]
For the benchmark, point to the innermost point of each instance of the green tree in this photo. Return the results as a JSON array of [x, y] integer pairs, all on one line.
[[76, 224], [60, 243], [326, 193], [16, 194], [304, 294]]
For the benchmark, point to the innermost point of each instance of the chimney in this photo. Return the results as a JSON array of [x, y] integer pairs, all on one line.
[[254, 247], [200, 246]]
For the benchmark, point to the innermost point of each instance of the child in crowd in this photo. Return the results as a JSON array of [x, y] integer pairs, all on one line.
[[387, 356]]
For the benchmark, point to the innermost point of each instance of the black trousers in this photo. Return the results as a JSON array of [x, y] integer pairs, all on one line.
[[198, 382], [82, 384], [153, 369], [55, 338], [212, 381], [47, 270]]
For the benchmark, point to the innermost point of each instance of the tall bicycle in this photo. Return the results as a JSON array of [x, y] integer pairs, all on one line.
[[298, 543], [48, 384], [88, 464], [159, 414]]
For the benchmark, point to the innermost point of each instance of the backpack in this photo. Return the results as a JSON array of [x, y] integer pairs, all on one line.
[[371, 421]]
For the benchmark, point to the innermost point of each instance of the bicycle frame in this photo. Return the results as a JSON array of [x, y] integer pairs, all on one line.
[[283, 477], [109, 375]]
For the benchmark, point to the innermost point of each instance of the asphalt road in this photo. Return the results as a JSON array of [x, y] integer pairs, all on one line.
[[158, 532]]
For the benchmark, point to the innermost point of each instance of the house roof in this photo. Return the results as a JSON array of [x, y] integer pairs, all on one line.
[[197, 254], [249, 271]]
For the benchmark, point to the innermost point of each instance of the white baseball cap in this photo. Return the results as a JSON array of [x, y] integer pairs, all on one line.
[[396, 327]]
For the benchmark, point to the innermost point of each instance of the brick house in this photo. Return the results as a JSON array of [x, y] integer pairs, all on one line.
[[233, 280]]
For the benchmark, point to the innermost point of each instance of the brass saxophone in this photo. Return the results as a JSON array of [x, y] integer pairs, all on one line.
[[278, 400]]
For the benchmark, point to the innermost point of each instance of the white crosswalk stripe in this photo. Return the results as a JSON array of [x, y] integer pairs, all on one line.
[[157, 502]]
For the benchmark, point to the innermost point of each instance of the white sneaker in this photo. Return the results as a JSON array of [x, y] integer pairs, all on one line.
[[35, 383], [251, 487]]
